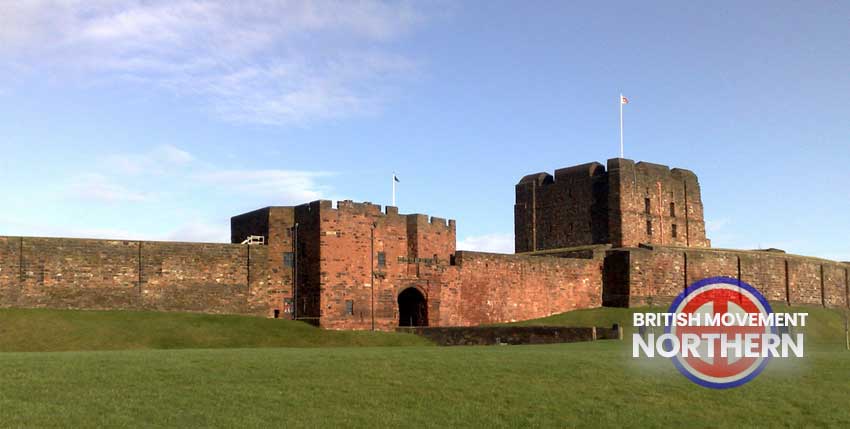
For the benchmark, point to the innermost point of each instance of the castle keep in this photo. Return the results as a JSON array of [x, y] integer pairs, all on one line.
[[625, 206], [629, 234]]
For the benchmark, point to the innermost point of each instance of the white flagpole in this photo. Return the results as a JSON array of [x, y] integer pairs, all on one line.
[[393, 179], [620, 102]]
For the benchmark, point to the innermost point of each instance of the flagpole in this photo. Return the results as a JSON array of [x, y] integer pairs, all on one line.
[[393, 179], [620, 102]]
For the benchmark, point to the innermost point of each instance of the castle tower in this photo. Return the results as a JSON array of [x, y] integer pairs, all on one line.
[[629, 204], [345, 267]]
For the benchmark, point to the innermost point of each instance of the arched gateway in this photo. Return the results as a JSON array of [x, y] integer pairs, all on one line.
[[412, 308]]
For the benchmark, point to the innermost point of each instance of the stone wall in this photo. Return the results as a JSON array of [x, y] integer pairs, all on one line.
[[495, 288], [513, 335], [119, 274], [656, 274], [345, 267]]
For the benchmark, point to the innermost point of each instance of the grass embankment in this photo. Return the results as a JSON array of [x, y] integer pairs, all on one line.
[[71, 330], [64, 330], [824, 326]]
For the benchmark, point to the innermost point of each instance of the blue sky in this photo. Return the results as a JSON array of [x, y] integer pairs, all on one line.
[[160, 120]]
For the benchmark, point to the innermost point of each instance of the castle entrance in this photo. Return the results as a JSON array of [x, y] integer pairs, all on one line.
[[412, 308]]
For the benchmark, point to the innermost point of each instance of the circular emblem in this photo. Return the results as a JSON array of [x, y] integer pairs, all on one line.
[[721, 298]]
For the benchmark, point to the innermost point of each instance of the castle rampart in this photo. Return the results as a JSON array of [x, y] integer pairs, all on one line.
[[631, 234], [656, 274], [120, 274], [496, 287]]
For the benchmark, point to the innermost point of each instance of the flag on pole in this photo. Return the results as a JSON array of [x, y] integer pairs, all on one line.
[[623, 101], [395, 180]]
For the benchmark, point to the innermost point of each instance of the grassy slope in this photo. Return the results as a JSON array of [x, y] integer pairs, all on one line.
[[61, 330], [823, 326], [568, 385], [587, 384], [65, 330]]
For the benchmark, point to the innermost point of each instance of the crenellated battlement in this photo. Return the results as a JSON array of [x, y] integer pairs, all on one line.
[[433, 221], [369, 209], [365, 207]]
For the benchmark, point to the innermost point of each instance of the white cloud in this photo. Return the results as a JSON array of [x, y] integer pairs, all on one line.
[[261, 61], [165, 178], [157, 161], [495, 243], [275, 186], [837, 256], [29, 228], [172, 155], [102, 233], [200, 231], [97, 187], [284, 186], [715, 225], [196, 231]]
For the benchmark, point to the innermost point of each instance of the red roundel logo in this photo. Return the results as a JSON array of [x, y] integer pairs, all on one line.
[[730, 301]]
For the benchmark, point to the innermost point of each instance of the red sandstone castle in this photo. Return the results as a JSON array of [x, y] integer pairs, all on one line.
[[631, 234]]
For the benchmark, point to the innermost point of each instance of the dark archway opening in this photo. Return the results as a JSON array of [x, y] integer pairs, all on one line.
[[412, 308]]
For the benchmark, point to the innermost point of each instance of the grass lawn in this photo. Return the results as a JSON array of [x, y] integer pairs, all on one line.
[[586, 384], [565, 385], [36, 330]]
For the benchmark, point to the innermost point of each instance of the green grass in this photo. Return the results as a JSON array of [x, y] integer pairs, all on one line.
[[824, 326], [565, 385], [66, 330], [584, 384]]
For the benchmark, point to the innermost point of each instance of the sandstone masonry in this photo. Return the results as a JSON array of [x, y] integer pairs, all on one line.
[[629, 234], [624, 206]]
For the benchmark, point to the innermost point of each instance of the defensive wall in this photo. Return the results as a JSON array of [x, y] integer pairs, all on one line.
[[139, 275], [490, 288], [654, 274], [345, 267]]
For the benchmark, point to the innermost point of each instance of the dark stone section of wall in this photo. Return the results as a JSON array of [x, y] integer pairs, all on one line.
[[569, 209], [513, 335], [248, 224], [308, 284], [615, 279]]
